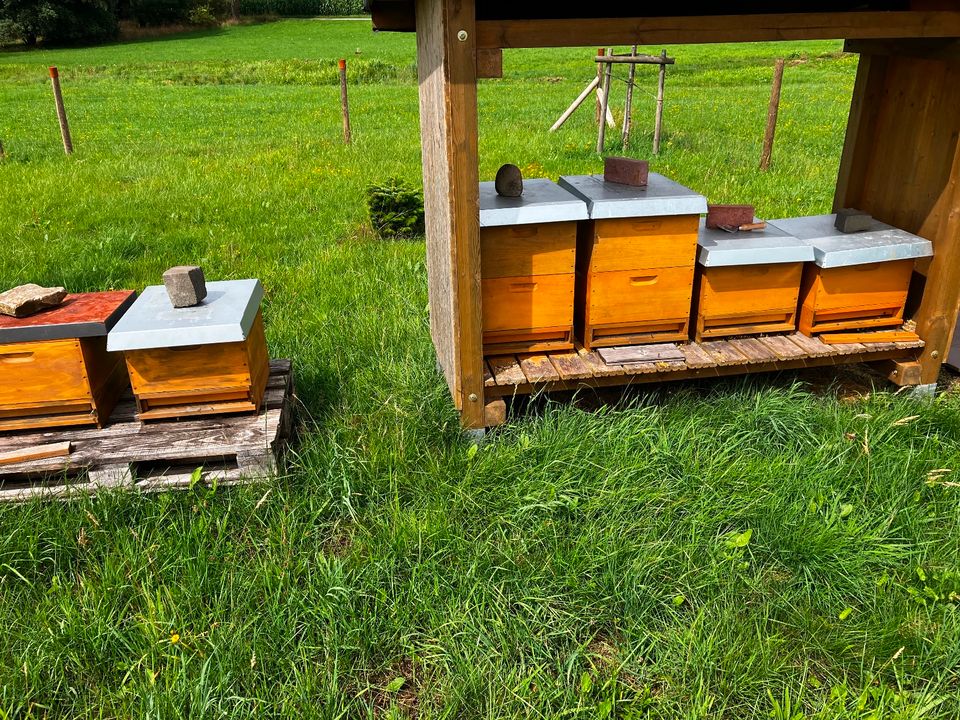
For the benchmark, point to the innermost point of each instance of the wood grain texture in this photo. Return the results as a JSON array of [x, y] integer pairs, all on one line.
[[447, 71], [526, 250], [901, 164], [715, 29]]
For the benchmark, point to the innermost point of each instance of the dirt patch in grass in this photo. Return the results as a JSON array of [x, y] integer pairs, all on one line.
[[388, 692]]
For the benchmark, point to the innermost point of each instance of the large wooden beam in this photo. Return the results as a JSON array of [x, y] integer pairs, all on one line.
[[582, 32], [901, 163], [447, 69]]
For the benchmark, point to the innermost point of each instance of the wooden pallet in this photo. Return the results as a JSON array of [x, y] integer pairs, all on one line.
[[156, 455], [524, 374]]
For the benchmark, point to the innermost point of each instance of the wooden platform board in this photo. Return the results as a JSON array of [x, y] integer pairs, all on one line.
[[524, 374], [155, 455]]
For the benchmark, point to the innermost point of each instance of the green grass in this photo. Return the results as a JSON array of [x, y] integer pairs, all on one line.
[[737, 549]]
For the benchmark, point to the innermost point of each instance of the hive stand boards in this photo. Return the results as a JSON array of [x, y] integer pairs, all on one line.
[[900, 160]]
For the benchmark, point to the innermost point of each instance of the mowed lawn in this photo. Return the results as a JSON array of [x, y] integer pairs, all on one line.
[[733, 549]]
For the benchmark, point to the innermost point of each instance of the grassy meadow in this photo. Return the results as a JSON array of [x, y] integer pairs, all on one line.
[[755, 548]]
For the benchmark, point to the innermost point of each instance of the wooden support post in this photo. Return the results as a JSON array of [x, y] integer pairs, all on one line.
[[344, 107], [772, 111], [901, 164], [447, 69], [628, 104], [575, 104], [600, 51], [61, 111], [658, 122], [605, 103]]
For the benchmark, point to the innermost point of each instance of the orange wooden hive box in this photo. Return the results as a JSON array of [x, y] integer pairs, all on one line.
[[527, 258], [54, 365], [748, 282], [635, 260], [209, 359], [858, 280]]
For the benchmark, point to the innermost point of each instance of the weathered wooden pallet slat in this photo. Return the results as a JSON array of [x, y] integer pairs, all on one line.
[[231, 447], [766, 352], [570, 366]]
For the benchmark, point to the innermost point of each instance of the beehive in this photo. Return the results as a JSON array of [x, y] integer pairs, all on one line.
[[54, 365], [635, 260], [527, 251], [209, 359], [748, 282], [857, 280]]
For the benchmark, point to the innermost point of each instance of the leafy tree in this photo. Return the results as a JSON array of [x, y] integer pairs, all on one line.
[[58, 21]]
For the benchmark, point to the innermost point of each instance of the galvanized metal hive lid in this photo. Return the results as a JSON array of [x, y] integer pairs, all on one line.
[[80, 315], [543, 201], [661, 197], [832, 248], [226, 315], [770, 246]]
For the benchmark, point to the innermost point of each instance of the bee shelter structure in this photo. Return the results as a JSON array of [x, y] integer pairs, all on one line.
[[900, 163]]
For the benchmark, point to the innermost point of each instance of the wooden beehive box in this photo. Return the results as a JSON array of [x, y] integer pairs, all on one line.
[[54, 365], [205, 360], [857, 280], [635, 260], [748, 282], [527, 256]]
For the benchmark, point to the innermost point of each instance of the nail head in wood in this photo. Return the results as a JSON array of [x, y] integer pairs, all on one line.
[[185, 285]]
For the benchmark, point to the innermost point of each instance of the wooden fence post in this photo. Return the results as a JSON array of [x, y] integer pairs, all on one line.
[[600, 51], [342, 65], [61, 111], [628, 105], [658, 120], [605, 105], [772, 112]]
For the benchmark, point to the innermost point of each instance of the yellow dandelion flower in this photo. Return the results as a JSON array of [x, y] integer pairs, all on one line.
[[174, 638]]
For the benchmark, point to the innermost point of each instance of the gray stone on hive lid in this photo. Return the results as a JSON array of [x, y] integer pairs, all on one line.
[[225, 315], [543, 201], [770, 246], [660, 197], [832, 248]]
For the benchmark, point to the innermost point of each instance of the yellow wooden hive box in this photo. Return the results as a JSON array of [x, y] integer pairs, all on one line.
[[635, 260], [54, 365], [209, 359]]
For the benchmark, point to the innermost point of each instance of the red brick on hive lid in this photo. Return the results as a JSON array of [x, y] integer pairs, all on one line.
[[729, 216], [626, 171]]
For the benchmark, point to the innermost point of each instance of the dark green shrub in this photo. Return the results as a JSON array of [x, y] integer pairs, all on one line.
[[301, 8], [58, 21], [159, 12], [396, 209]]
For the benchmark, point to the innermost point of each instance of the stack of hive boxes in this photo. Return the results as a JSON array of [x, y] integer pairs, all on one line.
[[635, 259], [527, 250]]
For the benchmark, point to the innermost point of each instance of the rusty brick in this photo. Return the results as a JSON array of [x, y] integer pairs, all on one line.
[[729, 215], [626, 171]]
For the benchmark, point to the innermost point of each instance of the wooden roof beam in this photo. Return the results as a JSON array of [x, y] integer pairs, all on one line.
[[591, 32]]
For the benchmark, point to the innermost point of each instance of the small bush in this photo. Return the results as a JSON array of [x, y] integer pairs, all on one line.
[[396, 209]]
